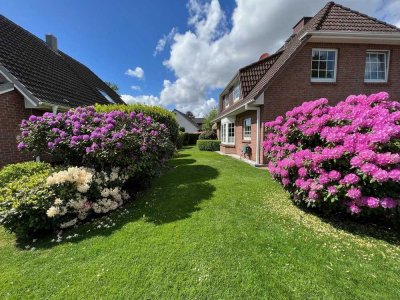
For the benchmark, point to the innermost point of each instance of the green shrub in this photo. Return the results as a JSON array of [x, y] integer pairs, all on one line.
[[208, 135], [25, 199], [208, 145], [180, 140], [11, 172], [190, 139], [157, 113]]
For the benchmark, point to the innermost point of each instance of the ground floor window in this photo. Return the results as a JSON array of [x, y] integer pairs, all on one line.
[[247, 129], [228, 133]]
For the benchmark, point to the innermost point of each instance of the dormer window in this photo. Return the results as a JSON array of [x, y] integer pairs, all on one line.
[[226, 101], [105, 95], [236, 93]]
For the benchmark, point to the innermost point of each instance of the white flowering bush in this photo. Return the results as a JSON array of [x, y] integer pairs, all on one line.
[[82, 192], [51, 199]]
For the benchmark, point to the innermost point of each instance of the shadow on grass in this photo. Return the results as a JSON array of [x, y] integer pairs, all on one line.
[[174, 196], [379, 229]]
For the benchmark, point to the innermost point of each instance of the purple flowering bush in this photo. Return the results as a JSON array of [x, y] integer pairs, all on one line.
[[84, 137], [343, 156]]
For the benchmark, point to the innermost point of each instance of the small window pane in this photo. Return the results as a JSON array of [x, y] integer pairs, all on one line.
[[330, 65], [314, 74], [329, 74], [322, 74], [323, 55], [331, 55], [315, 65]]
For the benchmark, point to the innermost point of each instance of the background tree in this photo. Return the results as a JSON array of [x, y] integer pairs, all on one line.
[[208, 119], [190, 114], [113, 86]]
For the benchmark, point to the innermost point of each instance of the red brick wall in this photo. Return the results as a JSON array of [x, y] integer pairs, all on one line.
[[11, 114], [239, 141], [293, 86]]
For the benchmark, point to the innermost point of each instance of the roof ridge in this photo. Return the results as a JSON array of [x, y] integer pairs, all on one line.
[[324, 13], [366, 16], [261, 61], [26, 31], [187, 118]]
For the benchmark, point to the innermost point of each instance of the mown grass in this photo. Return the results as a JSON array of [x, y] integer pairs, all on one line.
[[210, 228]]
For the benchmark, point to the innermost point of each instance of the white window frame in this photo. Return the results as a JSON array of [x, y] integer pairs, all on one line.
[[226, 101], [236, 89], [246, 133], [335, 68], [387, 60], [225, 138]]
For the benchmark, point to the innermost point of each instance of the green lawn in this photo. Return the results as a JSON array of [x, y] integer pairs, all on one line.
[[210, 228]]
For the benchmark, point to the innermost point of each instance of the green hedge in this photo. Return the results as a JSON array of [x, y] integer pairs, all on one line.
[[25, 197], [11, 172], [158, 113], [208, 145], [180, 140]]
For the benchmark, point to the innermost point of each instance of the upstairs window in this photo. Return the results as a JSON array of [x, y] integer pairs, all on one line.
[[226, 101], [247, 129], [236, 93], [376, 66], [323, 65]]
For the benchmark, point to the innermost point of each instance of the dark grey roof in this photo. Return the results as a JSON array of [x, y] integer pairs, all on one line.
[[52, 77], [199, 120]]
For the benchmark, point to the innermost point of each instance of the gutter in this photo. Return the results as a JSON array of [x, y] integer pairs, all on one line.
[[229, 112], [395, 36]]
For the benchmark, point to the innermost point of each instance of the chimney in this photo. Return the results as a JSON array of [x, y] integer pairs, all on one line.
[[51, 41], [300, 24], [263, 56]]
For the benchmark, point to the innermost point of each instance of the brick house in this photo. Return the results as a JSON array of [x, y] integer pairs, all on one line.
[[35, 77], [336, 53]]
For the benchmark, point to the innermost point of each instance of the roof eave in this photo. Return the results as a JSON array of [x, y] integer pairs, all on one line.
[[352, 37]]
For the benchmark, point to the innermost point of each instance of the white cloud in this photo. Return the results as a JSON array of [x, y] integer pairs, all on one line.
[[145, 99], [138, 72], [164, 40], [208, 55], [135, 87]]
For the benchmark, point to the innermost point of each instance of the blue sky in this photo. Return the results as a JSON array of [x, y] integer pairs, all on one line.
[[208, 41]]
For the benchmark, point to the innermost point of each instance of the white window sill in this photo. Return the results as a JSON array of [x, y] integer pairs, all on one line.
[[323, 81], [375, 81], [228, 144], [247, 139]]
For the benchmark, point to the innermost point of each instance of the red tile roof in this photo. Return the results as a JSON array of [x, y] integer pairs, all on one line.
[[332, 17]]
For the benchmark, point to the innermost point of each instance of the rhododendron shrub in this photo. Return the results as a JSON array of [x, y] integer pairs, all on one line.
[[347, 155], [82, 192], [84, 137]]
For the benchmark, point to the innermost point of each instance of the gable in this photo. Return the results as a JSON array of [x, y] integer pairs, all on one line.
[[52, 77]]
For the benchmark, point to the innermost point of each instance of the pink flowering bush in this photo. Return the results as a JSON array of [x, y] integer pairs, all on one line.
[[343, 156], [84, 137]]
